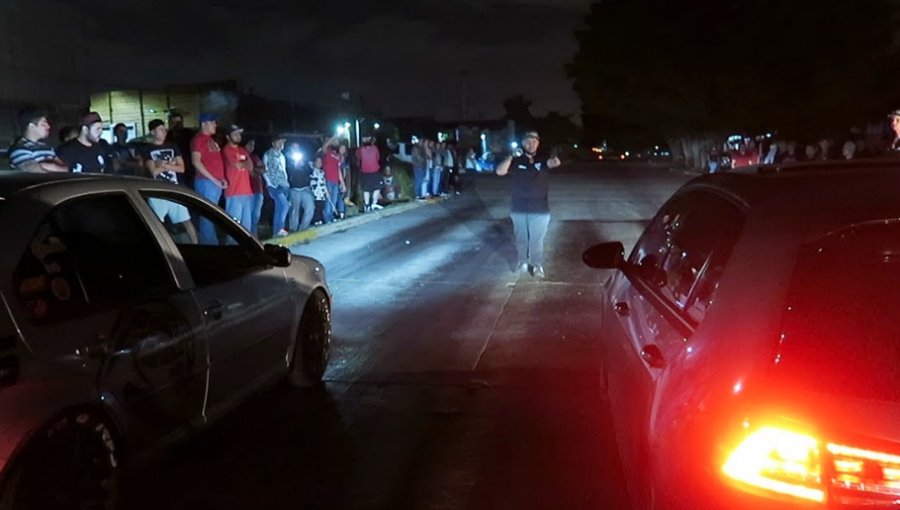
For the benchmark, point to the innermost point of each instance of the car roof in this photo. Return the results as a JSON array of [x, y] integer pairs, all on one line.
[[15, 181], [824, 192]]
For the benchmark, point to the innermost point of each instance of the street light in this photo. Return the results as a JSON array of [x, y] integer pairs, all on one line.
[[377, 126]]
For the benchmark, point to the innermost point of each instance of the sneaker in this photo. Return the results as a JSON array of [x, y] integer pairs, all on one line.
[[282, 233], [523, 267], [376, 207], [539, 272]]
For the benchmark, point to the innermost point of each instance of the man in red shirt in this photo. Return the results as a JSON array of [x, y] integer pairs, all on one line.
[[238, 165], [370, 171], [209, 180], [334, 180]]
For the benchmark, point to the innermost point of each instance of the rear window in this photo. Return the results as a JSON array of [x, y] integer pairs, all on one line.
[[841, 332]]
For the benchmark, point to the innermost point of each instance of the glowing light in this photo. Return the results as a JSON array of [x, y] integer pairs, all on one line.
[[514, 145], [483, 137], [296, 157], [780, 461], [377, 126], [340, 130]]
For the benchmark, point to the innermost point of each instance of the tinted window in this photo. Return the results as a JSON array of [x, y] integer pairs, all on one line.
[[89, 254], [684, 250], [841, 321], [214, 249]]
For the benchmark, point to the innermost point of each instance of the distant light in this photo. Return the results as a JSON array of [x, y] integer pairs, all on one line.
[[340, 130], [622, 156], [575, 146], [656, 147], [514, 145], [297, 157], [598, 150], [627, 153], [377, 126], [483, 137], [347, 125]]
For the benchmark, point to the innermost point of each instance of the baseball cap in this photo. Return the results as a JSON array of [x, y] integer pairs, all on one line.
[[232, 128], [90, 118], [279, 136], [895, 113], [531, 134], [207, 117], [155, 123]]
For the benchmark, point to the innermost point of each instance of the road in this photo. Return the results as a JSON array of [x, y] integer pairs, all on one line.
[[455, 383]]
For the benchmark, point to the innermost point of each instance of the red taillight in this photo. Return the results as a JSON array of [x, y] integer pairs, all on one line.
[[799, 465], [779, 460]]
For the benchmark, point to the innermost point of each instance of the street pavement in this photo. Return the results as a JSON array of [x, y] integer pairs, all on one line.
[[454, 383]]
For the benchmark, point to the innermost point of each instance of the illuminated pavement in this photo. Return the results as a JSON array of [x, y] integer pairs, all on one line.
[[454, 383]]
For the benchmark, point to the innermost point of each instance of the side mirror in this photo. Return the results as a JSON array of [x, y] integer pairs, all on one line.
[[605, 256], [279, 256]]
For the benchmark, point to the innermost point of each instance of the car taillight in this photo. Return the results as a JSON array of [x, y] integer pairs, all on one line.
[[783, 462], [779, 460]]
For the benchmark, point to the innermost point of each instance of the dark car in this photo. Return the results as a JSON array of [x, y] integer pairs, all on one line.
[[751, 341], [123, 326]]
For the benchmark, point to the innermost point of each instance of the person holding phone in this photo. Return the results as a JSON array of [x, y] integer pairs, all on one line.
[[530, 208]]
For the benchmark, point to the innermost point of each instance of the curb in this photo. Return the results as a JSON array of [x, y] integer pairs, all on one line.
[[311, 233]]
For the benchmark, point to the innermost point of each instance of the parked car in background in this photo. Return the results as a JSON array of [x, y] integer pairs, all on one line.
[[750, 341], [132, 311]]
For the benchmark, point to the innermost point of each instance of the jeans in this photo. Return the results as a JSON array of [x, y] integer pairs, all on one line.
[[420, 179], [436, 181], [335, 198], [212, 192], [282, 204], [302, 199], [258, 199], [530, 229], [240, 207]]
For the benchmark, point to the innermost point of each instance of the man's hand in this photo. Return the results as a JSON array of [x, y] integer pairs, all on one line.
[[553, 162], [222, 183]]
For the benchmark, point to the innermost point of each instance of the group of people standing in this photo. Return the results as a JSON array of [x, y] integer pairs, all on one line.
[[439, 168]]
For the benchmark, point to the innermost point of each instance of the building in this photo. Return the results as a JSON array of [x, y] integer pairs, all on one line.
[[136, 108]]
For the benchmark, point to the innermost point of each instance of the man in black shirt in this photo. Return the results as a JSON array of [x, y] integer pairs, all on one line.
[[301, 195], [530, 211], [86, 154], [162, 161]]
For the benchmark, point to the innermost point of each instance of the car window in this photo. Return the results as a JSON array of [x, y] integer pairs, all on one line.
[[684, 250], [214, 249], [840, 325], [89, 254]]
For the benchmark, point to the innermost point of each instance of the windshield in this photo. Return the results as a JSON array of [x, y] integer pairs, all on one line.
[[841, 328]]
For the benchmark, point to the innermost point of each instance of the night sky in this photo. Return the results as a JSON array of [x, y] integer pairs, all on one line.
[[404, 57]]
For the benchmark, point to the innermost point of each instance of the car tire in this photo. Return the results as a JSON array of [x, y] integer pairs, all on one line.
[[72, 463], [313, 343]]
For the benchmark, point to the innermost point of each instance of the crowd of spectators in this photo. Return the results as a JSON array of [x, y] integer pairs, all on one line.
[[222, 165]]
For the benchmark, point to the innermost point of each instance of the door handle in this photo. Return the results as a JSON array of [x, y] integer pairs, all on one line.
[[214, 310], [653, 356], [622, 309]]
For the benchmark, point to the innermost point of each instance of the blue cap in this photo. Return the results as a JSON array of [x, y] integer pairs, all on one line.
[[207, 117]]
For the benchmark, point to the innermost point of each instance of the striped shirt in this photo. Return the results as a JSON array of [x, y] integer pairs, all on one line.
[[276, 169], [24, 151]]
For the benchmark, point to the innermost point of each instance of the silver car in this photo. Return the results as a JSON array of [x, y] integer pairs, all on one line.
[[132, 311], [752, 355]]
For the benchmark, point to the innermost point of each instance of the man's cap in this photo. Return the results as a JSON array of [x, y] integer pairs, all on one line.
[[531, 134], [895, 113], [155, 123], [90, 118], [232, 128], [207, 117], [279, 136]]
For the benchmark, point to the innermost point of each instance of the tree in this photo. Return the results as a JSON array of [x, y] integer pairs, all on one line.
[[684, 70]]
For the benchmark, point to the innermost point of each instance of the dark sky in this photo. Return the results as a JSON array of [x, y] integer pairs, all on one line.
[[405, 57]]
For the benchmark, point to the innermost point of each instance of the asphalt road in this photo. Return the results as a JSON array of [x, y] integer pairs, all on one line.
[[454, 384]]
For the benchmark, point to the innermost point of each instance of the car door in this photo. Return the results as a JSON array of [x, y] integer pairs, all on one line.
[[248, 309], [654, 307], [95, 298]]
